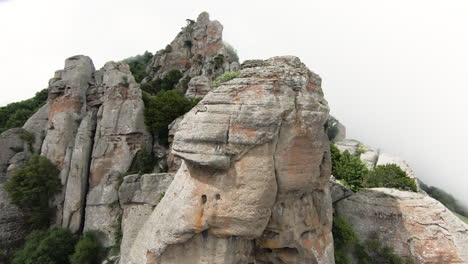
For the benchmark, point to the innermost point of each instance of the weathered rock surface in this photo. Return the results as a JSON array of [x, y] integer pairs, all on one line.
[[414, 224], [37, 125], [138, 196], [198, 50], [14, 153], [367, 154], [67, 102], [385, 158], [338, 190], [120, 134], [256, 166], [198, 87]]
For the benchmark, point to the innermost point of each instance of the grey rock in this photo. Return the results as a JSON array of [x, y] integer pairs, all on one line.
[[338, 190], [37, 124], [120, 134], [198, 87], [198, 50], [414, 225], [67, 105], [256, 166], [13, 228], [138, 195]]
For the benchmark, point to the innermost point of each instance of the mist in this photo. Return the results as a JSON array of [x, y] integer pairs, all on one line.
[[394, 72]]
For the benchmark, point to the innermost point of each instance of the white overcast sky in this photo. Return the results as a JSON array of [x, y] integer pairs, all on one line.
[[394, 72]]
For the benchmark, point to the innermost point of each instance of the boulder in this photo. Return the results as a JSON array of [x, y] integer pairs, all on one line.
[[414, 225], [253, 183]]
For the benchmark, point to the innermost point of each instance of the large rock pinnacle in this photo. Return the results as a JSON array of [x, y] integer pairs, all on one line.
[[253, 185]]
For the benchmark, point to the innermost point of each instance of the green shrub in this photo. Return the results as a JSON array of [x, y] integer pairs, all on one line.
[[32, 186], [143, 162], [46, 247], [389, 176], [335, 157], [87, 250], [347, 245], [350, 169], [168, 82], [162, 109], [227, 76], [16, 114], [231, 51], [138, 65], [445, 198], [332, 127], [29, 138]]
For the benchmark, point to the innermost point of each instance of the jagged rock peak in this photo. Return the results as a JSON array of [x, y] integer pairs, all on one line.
[[198, 49], [253, 184]]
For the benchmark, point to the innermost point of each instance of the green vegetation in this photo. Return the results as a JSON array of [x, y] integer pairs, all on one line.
[[352, 172], [446, 199], [16, 114], [168, 82], [349, 169], [231, 51], [29, 138], [58, 246], [332, 127], [138, 65], [4, 259], [143, 162], [463, 218], [389, 176], [87, 250], [162, 109], [32, 186], [46, 247], [227, 76], [347, 246]]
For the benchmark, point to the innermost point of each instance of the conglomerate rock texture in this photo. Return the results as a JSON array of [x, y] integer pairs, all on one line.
[[253, 184], [413, 224]]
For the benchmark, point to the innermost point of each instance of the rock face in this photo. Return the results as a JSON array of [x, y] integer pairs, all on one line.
[[198, 50], [253, 184], [414, 224], [14, 154], [138, 196], [367, 154], [120, 134]]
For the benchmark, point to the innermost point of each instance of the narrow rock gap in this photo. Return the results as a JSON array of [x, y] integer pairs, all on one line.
[[88, 172]]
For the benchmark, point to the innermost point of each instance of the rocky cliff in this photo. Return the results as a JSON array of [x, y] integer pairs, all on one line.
[[249, 167]]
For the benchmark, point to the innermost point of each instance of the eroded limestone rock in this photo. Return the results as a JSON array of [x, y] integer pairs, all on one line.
[[415, 225], [256, 166]]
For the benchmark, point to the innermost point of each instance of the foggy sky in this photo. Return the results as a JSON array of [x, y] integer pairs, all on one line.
[[394, 72]]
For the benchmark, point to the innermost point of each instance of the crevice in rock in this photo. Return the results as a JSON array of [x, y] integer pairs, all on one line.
[[88, 172]]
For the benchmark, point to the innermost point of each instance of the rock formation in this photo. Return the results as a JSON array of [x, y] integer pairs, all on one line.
[[249, 167], [13, 154], [198, 50], [415, 225], [253, 185]]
